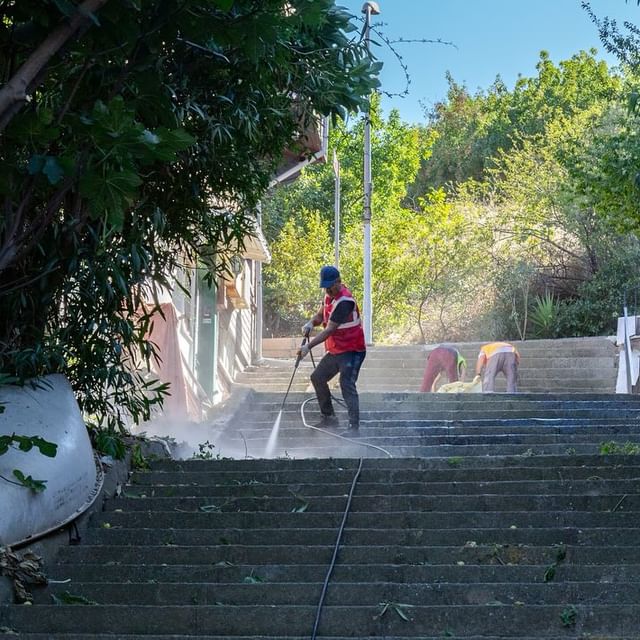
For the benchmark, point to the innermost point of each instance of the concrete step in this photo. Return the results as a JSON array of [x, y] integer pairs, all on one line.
[[256, 488], [367, 535], [471, 574], [613, 463], [426, 433], [579, 345], [391, 520], [432, 445], [328, 446], [387, 503], [476, 410], [519, 399], [508, 424], [413, 386], [398, 425], [570, 365], [411, 370], [450, 473], [506, 620], [109, 636], [353, 593], [260, 401], [369, 555]]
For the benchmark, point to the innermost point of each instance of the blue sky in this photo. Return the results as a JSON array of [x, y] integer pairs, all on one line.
[[492, 37]]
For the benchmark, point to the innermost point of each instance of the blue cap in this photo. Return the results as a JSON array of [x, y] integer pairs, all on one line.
[[328, 275]]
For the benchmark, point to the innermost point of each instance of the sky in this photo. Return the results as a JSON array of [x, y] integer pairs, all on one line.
[[491, 38]]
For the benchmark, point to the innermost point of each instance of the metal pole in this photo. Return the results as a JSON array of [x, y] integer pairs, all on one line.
[[336, 208], [369, 9], [627, 351], [259, 299]]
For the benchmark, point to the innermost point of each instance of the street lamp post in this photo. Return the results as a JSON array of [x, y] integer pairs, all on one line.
[[336, 209], [369, 9]]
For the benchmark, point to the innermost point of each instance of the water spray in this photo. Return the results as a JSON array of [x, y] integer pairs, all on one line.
[[273, 438]]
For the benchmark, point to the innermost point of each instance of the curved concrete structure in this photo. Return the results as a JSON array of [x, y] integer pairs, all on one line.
[[74, 477]]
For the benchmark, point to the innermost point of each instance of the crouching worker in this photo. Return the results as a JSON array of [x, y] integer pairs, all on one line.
[[445, 359], [494, 358], [345, 344]]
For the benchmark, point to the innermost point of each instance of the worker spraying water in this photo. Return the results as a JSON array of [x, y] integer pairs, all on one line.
[[346, 351], [343, 336]]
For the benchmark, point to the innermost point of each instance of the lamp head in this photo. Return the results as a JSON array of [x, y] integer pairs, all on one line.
[[373, 7]]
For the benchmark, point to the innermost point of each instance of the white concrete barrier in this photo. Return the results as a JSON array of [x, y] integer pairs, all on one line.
[[73, 477]]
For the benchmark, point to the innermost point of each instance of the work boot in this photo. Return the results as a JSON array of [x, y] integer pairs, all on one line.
[[352, 431], [328, 422]]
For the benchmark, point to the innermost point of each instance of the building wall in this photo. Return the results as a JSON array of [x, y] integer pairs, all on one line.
[[236, 324]]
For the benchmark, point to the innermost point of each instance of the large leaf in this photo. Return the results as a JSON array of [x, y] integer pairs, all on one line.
[[47, 165], [110, 193]]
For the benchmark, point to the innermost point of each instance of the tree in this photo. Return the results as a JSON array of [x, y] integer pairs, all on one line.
[[536, 159], [146, 140], [396, 152], [472, 130]]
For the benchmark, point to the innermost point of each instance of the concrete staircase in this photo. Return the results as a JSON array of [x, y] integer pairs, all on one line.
[[436, 425], [569, 365], [466, 548], [502, 518]]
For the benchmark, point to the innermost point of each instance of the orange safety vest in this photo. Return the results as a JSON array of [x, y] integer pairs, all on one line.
[[492, 348], [349, 335]]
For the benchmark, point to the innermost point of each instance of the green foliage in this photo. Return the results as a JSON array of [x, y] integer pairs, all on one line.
[[291, 282], [205, 451], [556, 158], [518, 223], [130, 160], [543, 316], [109, 443], [560, 557], [569, 616], [399, 608], [472, 130], [37, 486], [70, 598], [599, 301], [607, 168], [26, 443], [613, 448], [423, 246], [138, 460]]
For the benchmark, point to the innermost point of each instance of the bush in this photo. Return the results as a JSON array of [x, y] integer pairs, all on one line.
[[600, 300]]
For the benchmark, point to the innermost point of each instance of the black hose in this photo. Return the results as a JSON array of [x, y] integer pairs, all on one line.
[[335, 551]]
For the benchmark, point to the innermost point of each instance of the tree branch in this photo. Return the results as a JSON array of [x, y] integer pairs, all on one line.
[[15, 91], [535, 234]]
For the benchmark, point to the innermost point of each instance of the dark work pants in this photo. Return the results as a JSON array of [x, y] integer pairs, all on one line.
[[348, 366]]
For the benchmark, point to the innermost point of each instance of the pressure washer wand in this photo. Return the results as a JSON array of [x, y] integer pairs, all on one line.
[[273, 438], [295, 368]]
